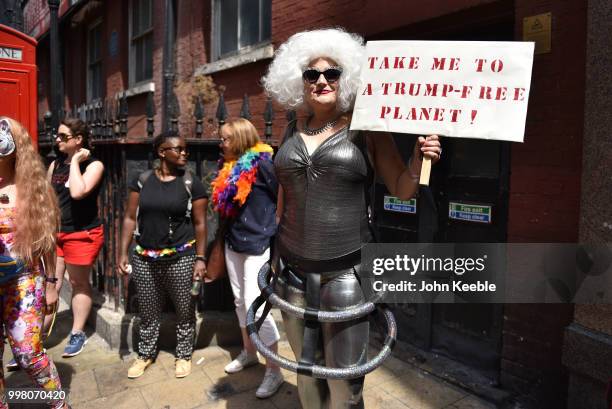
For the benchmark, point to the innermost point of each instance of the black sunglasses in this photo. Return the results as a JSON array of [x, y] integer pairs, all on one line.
[[64, 137], [332, 74], [177, 149]]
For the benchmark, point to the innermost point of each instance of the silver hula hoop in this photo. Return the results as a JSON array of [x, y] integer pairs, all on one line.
[[318, 371]]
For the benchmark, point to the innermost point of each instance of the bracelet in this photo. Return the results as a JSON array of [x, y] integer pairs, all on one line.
[[51, 279], [200, 257], [413, 176]]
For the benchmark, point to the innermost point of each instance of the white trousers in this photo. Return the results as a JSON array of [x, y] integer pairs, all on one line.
[[242, 270]]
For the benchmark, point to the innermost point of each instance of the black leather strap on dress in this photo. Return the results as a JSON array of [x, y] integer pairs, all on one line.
[[312, 326], [267, 291], [274, 261]]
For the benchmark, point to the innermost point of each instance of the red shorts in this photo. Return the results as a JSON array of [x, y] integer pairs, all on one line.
[[80, 248]]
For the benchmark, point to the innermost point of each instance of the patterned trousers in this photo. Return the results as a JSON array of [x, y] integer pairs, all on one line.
[[22, 301], [153, 280]]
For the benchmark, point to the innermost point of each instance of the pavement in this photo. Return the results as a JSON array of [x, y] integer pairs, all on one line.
[[96, 378]]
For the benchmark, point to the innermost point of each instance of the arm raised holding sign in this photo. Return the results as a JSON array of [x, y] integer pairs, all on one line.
[[323, 170], [402, 180]]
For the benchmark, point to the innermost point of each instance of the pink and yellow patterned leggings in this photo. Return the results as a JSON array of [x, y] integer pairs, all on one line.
[[22, 303]]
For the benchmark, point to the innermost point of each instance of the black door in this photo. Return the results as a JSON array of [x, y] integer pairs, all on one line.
[[467, 203], [472, 198]]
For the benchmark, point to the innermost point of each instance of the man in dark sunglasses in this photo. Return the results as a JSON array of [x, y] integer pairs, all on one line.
[[312, 74], [324, 170]]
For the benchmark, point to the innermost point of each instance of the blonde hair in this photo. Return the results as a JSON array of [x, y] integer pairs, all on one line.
[[37, 215], [284, 82], [244, 135]]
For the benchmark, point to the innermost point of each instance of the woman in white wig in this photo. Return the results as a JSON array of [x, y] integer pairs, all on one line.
[[324, 171]]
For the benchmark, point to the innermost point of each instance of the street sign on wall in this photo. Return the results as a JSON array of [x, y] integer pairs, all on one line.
[[469, 212]]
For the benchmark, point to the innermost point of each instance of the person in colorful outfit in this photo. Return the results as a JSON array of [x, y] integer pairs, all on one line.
[[166, 213], [28, 224], [325, 173], [245, 193], [77, 178]]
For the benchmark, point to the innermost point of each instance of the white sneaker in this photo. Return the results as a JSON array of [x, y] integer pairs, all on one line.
[[272, 381], [242, 361]]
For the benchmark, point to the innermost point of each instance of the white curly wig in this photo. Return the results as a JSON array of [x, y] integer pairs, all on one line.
[[284, 83]]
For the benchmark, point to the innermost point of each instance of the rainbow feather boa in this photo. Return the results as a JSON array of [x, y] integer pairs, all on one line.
[[232, 185]]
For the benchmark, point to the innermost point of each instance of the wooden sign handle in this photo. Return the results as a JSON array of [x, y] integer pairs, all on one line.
[[425, 171]]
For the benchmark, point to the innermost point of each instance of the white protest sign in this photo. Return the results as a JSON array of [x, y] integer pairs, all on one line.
[[473, 89]]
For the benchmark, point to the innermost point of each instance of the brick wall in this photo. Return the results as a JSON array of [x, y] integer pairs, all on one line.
[[544, 197], [545, 179], [288, 17], [116, 66]]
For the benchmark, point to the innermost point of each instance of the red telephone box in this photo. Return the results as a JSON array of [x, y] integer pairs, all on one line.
[[18, 97]]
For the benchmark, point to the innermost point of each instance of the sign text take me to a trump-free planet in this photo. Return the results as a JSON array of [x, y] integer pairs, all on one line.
[[473, 89]]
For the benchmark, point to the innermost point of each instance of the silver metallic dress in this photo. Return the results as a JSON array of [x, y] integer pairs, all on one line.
[[323, 227]]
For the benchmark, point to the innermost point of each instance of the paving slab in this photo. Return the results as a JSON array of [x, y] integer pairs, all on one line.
[[378, 377], [247, 379], [83, 388], [287, 396], [113, 378], [244, 400], [128, 399], [418, 390], [97, 378], [183, 393], [376, 398], [471, 402], [93, 356]]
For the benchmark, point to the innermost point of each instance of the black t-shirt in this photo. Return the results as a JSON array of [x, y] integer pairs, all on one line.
[[77, 215], [163, 206]]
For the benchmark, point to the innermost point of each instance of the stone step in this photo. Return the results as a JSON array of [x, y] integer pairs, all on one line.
[[120, 330], [212, 328]]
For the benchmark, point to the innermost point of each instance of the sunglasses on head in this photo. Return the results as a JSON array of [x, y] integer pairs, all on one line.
[[331, 74]]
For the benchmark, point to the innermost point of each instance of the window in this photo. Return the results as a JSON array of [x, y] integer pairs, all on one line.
[[141, 41], [95, 87], [239, 24]]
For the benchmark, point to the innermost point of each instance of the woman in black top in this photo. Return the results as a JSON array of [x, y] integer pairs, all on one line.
[[166, 213], [76, 178]]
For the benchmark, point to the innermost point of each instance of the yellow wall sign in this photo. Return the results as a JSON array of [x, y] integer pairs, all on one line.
[[538, 29]]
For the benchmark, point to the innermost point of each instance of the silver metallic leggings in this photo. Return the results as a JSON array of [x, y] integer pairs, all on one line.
[[340, 345]]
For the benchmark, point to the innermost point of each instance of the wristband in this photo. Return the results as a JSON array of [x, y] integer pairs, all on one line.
[[412, 175], [51, 279]]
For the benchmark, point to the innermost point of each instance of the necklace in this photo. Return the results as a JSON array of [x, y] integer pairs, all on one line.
[[326, 127]]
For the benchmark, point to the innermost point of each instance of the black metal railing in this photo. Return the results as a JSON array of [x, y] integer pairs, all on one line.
[[108, 121]]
